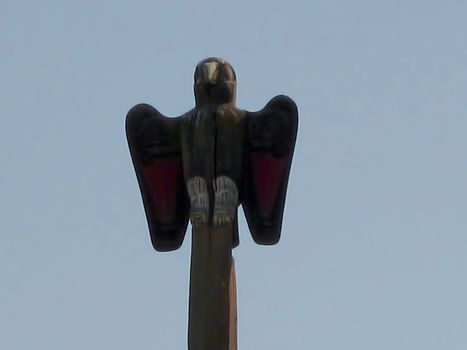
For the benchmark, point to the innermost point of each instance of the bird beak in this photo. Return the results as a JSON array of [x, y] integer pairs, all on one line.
[[210, 71]]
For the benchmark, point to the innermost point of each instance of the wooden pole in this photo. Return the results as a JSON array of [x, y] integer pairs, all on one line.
[[212, 321], [233, 308]]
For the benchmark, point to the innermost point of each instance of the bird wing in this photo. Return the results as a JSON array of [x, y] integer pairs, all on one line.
[[271, 135], [154, 142]]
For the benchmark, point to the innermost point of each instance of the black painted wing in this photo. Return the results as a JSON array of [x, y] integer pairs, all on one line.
[[270, 145], [154, 142]]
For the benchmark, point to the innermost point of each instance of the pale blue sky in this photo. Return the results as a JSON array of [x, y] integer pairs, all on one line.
[[373, 249]]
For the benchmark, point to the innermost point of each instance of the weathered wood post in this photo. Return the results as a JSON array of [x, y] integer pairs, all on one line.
[[212, 314], [200, 167]]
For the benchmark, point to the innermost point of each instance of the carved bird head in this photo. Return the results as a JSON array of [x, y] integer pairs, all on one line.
[[215, 82]]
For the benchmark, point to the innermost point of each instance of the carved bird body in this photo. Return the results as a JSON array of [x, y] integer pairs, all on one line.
[[212, 145], [203, 165]]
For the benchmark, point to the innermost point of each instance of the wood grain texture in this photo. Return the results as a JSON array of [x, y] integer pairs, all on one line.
[[212, 311]]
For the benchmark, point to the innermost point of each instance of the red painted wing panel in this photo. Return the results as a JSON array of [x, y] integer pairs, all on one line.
[[162, 179], [267, 175]]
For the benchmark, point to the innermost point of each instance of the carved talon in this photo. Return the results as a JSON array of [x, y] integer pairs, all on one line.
[[221, 219], [199, 199], [198, 219], [226, 200]]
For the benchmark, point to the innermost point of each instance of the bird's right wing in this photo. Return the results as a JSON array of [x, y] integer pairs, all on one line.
[[154, 142]]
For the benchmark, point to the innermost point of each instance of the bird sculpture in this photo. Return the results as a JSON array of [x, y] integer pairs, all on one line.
[[200, 167]]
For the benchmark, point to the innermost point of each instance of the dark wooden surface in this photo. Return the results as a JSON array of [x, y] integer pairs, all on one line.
[[212, 313]]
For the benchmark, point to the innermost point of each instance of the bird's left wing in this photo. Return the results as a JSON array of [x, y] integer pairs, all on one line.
[[270, 145], [154, 142]]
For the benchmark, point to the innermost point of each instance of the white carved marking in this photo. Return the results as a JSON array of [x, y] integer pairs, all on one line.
[[226, 200], [199, 200]]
